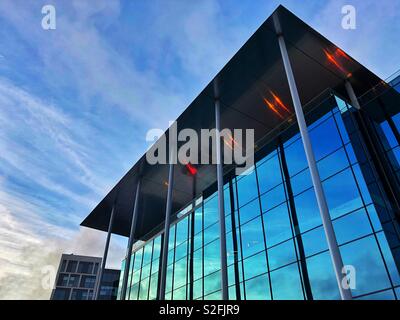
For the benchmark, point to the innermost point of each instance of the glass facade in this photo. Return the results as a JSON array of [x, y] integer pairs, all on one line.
[[275, 239]]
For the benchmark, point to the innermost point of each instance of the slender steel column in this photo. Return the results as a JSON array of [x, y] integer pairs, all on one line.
[[130, 242], [221, 207], [352, 95], [104, 260], [316, 180], [168, 210]]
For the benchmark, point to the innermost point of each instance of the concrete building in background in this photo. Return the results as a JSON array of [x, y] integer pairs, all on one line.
[[323, 193], [78, 277]]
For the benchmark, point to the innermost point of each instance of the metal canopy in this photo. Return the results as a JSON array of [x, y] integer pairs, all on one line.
[[255, 74]]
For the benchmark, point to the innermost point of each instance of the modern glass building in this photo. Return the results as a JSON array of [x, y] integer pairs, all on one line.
[[284, 236]]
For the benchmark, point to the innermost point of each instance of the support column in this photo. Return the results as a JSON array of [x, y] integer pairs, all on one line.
[[221, 207], [164, 257], [316, 180], [352, 95], [104, 260], [130, 242]]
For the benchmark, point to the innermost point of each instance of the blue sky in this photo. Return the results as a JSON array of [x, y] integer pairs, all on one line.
[[76, 102]]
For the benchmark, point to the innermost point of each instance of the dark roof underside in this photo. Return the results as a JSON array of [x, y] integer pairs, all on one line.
[[254, 71]]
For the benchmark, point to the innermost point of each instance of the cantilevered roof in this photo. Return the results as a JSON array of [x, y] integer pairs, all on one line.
[[254, 74]]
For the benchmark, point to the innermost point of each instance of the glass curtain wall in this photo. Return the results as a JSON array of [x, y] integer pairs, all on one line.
[[276, 243]]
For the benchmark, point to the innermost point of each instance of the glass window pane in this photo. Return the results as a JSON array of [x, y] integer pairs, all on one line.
[[307, 210], [269, 174], [286, 284], [322, 277], [352, 226], [364, 256], [314, 241], [181, 231], [252, 237], [180, 294], [249, 211], [212, 261], [272, 198], [258, 288], [210, 211], [247, 188], [198, 220], [255, 265], [295, 157], [277, 225], [212, 282], [211, 233], [281, 255], [198, 264], [325, 138], [180, 273], [341, 194]]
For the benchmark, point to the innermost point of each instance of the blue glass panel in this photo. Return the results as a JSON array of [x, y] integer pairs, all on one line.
[[228, 223], [153, 286], [198, 220], [171, 242], [314, 241], [255, 265], [247, 188], [144, 289], [342, 128], [181, 251], [157, 247], [277, 225], [352, 226], [180, 273], [198, 289], [322, 277], [341, 194], [376, 222], [307, 210], [258, 288], [286, 283], [295, 157], [212, 260], [391, 139], [133, 294], [227, 200], [301, 181], [168, 285], [384, 295], [332, 164], [281, 255], [232, 293], [370, 272], [229, 248], [198, 241], [351, 154], [155, 266], [325, 138], [212, 282], [249, 211], [181, 231], [210, 211], [145, 271], [252, 237], [180, 294], [211, 233], [388, 256], [214, 296], [198, 264], [269, 174], [361, 183], [272, 198]]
